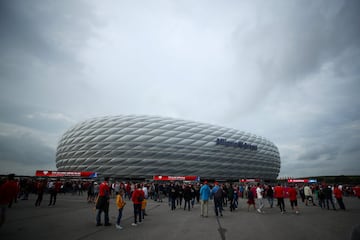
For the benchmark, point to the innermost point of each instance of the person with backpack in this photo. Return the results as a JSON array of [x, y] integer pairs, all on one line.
[[137, 197], [217, 192], [187, 196], [103, 203]]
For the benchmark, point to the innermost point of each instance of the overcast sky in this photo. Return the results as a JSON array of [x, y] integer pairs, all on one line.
[[285, 70]]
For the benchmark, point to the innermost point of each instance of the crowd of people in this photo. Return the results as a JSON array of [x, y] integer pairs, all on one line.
[[178, 195]]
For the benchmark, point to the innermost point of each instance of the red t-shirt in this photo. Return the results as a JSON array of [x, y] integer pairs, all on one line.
[[337, 192], [104, 189], [58, 186], [136, 194], [292, 194], [8, 192], [279, 192]]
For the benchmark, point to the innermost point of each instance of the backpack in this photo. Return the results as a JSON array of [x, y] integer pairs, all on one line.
[[218, 194], [140, 198]]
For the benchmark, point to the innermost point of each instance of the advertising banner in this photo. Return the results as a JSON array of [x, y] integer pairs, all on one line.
[[176, 178], [246, 180], [302, 180], [49, 173]]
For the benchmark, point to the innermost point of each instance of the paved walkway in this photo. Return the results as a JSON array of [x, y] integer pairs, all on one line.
[[73, 218]]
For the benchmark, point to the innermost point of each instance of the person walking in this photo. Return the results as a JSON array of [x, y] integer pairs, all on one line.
[[259, 195], [103, 202], [338, 196], [251, 200], [53, 190], [120, 205], [279, 195], [217, 192], [230, 197], [204, 199], [40, 189], [8, 192], [293, 199], [321, 197], [187, 197], [172, 196], [270, 195], [329, 197], [308, 195]]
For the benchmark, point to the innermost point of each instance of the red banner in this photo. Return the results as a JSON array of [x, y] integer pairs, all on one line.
[[302, 180], [298, 180], [176, 178], [243, 180], [47, 173]]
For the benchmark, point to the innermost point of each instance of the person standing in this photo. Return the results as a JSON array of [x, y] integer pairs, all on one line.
[[120, 205], [172, 196], [51, 191], [54, 188], [270, 195], [103, 202], [259, 195], [250, 197], [137, 198], [204, 199], [308, 195], [143, 204], [321, 197], [329, 197], [280, 194], [40, 189], [230, 197], [187, 197], [338, 196], [8, 192]]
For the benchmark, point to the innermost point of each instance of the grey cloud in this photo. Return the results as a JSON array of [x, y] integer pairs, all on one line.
[[49, 32], [286, 70], [26, 150]]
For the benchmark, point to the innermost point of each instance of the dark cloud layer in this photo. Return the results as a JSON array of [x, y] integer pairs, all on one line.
[[286, 70]]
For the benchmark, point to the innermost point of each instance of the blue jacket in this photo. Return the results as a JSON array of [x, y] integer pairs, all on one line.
[[214, 190], [205, 192]]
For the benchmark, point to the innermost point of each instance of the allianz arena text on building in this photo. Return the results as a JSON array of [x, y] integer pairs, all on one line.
[[144, 146]]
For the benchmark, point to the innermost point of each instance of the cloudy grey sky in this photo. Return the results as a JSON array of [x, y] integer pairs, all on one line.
[[285, 70]]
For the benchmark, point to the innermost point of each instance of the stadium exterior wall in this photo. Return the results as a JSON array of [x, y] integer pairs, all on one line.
[[143, 146]]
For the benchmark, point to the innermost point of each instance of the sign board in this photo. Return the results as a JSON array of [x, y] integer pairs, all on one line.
[[176, 178], [302, 181], [246, 180], [48, 173]]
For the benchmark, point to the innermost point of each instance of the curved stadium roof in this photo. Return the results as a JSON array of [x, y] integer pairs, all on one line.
[[143, 146]]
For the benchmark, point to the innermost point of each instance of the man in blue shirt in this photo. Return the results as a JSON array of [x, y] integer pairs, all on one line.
[[204, 199]]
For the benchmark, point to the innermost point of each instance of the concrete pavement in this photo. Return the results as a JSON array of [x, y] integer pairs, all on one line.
[[73, 218]]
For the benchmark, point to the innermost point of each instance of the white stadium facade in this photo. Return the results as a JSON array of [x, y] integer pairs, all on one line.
[[134, 146]]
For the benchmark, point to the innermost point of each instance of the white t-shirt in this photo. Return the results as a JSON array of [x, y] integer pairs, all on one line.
[[259, 192], [145, 192]]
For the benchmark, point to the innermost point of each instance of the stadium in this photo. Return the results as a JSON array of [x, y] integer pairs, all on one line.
[[134, 146]]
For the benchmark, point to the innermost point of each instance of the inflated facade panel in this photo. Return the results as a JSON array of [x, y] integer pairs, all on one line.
[[143, 146]]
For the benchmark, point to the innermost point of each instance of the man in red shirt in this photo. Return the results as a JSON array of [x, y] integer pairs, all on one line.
[[137, 197], [103, 202], [293, 199], [8, 191], [279, 193], [338, 196]]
